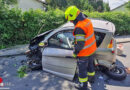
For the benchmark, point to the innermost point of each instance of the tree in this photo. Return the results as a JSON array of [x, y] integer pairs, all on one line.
[[9, 1], [62, 4], [3, 7], [106, 7], [128, 5], [100, 6]]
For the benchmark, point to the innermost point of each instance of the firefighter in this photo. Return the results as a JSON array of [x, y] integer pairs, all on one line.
[[84, 47]]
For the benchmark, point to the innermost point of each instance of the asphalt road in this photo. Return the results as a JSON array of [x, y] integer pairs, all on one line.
[[40, 80]]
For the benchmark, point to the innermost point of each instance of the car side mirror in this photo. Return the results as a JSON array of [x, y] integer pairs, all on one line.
[[42, 44]]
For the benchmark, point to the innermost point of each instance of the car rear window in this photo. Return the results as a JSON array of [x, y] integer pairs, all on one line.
[[99, 37]]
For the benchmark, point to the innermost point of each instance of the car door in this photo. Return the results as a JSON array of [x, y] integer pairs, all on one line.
[[57, 56]]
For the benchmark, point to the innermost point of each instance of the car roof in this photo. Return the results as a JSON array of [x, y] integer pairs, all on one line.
[[97, 23]]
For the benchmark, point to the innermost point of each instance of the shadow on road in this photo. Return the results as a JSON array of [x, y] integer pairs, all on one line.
[[36, 80], [40, 80], [99, 83], [123, 55]]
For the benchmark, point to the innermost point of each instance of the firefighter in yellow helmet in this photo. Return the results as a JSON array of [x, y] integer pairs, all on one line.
[[85, 45]]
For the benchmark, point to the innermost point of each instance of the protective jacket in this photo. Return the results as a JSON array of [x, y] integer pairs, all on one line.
[[85, 43]]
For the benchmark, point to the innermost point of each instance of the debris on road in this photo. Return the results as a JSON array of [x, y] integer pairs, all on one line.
[[22, 71], [128, 70], [120, 48]]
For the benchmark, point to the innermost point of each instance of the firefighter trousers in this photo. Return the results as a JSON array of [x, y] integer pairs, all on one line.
[[85, 68]]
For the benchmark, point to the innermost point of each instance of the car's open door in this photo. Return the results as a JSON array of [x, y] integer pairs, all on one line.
[[57, 57], [59, 62]]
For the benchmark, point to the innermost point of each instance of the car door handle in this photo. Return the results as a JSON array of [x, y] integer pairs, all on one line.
[[68, 57]]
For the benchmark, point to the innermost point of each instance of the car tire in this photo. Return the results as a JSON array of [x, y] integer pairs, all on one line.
[[117, 73]]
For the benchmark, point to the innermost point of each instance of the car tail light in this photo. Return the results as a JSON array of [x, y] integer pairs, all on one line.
[[113, 51], [110, 45]]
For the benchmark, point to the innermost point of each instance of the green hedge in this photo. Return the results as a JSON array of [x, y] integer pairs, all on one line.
[[120, 19], [17, 27]]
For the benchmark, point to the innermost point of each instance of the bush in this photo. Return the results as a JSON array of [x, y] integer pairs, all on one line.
[[17, 27], [10, 27]]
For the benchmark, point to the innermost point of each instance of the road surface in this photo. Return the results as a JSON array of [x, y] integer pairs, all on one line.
[[40, 80]]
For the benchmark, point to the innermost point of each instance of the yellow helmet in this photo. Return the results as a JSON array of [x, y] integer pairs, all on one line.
[[71, 13]]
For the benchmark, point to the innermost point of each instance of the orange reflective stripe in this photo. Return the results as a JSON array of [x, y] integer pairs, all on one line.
[[80, 37], [89, 45], [89, 37], [88, 24]]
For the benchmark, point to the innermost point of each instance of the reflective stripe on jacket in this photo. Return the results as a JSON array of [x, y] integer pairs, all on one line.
[[89, 38]]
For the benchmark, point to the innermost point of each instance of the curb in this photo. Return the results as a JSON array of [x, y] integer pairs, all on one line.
[[122, 39], [14, 51]]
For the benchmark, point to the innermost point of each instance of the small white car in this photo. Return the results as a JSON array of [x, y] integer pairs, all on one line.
[[54, 49]]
